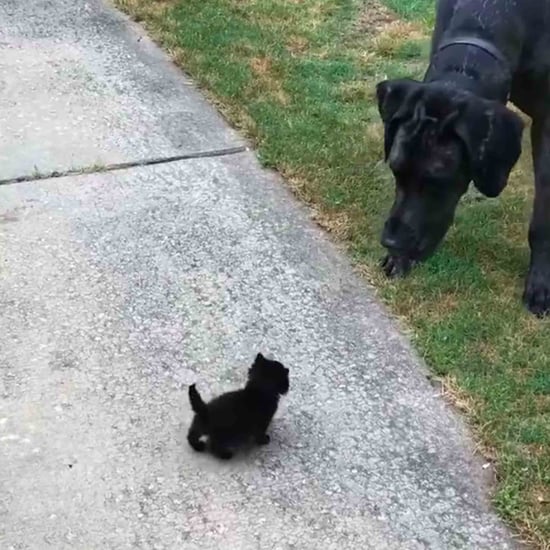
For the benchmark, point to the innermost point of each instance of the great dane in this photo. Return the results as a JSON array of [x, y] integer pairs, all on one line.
[[454, 127]]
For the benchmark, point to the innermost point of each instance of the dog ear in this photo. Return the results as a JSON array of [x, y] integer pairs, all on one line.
[[492, 136], [393, 105], [391, 95]]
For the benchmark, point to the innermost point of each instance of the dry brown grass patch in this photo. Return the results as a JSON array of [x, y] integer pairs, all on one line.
[[375, 131], [297, 45], [465, 403], [141, 10], [262, 67], [446, 303], [488, 352], [391, 37], [336, 223], [451, 392]]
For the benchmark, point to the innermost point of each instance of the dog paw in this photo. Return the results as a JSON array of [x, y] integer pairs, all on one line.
[[396, 266], [536, 296], [263, 439]]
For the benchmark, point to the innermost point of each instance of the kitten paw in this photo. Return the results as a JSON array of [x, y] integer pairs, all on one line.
[[224, 455], [263, 439], [197, 445]]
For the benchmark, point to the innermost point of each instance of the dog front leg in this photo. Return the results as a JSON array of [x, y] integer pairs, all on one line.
[[537, 286]]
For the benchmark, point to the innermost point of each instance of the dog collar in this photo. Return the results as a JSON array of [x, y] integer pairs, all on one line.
[[484, 45], [481, 44]]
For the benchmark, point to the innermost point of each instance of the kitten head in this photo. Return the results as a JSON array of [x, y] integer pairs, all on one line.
[[268, 375]]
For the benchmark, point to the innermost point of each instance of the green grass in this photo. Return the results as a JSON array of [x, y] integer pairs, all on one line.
[[298, 78], [413, 9]]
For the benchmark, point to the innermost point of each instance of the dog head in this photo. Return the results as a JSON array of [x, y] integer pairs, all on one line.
[[436, 140], [269, 375]]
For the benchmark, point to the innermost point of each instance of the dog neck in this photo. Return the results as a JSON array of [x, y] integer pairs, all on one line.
[[471, 64]]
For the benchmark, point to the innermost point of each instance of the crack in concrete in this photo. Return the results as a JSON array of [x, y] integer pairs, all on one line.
[[98, 169]]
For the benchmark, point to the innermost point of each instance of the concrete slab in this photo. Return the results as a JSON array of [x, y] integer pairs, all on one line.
[[80, 87], [118, 289]]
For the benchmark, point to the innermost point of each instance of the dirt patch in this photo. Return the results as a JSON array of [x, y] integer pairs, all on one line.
[[374, 17]]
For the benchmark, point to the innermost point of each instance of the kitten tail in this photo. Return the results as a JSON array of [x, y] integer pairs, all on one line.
[[197, 404]]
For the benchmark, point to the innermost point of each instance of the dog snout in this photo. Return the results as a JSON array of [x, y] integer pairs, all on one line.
[[390, 242], [397, 235]]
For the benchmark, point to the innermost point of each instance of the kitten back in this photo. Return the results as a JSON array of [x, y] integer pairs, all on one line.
[[197, 404]]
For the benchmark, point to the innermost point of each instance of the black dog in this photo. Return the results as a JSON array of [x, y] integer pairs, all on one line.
[[454, 127], [233, 418]]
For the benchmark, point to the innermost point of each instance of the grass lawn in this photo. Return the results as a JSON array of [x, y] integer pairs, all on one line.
[[298, 78]]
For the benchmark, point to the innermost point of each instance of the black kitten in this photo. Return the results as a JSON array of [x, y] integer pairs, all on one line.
[[231, 419]]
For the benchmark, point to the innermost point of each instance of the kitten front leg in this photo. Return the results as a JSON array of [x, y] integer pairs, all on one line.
[[260, 435]]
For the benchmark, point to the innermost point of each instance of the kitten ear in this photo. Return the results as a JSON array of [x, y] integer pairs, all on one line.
[[259, 359]]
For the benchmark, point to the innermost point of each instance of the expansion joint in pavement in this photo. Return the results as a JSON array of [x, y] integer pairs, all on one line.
[[100, 168]]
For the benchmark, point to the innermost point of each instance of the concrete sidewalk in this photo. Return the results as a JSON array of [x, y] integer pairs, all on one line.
[[119, 288]]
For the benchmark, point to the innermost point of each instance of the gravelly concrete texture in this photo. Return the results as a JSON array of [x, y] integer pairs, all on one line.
[[118, 289], [80, 87]]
